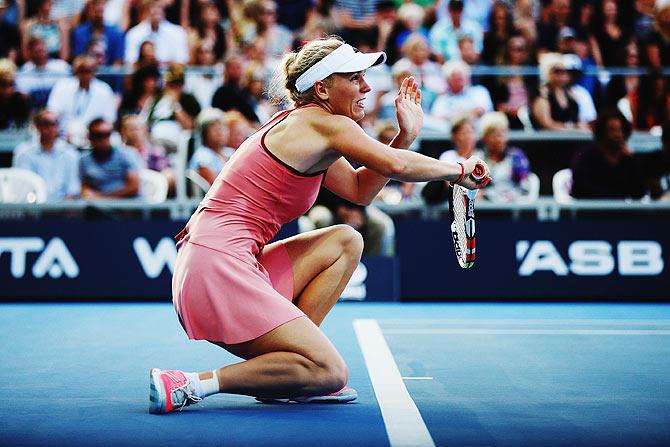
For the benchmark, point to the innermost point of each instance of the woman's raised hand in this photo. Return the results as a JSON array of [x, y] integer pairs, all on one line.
[[408, 108]]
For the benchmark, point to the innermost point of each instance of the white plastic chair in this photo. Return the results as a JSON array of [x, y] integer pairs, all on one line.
[[199, 186], [624, 107], [561, 185], [533, 184], [523, 113], [19, 185], [153, 186]]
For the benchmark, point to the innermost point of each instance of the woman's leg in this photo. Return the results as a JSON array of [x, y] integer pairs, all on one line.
[[323, 261]]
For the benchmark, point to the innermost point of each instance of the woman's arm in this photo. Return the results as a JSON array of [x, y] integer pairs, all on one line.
[[542, 114]]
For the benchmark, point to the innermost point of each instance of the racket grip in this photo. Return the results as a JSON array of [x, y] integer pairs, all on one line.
[[479, 173]]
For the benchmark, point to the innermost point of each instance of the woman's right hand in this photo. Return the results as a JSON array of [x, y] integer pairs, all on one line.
[[468, 168]]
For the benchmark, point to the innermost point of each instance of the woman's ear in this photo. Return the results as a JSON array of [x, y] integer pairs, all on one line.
[[321, 91]]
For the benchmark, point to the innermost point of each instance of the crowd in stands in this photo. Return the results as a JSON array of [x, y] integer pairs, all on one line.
[[110, 86]]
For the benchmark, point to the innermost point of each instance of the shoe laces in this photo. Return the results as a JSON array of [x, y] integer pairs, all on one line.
[[183, 393]]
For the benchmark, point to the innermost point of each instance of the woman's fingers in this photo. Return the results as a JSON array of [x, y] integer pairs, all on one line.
[[403, 87], [417, 98]]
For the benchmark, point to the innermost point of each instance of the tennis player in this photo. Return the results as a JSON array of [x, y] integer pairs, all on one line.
[[264, 302]]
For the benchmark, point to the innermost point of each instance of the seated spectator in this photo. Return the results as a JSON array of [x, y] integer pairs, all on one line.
[[277, 38], [95, 30], [501, 28], [464, 139], [209, 158], [607, 170], [524, 19], [52, 158], [508, 165], [408, 21], [254, 79], [9, 35], [555, 108], [657, 45], [427, 73], [445, 33], [147, 55], [209, 33], [514, 91], [79, 99], [585, 104], [466, 46], [107, 171], [55, 33], [38, 75], [608, 37], [650, 102], [622, 86], [461, 98], [170, 40], [553, 18], [204, 85], [239, 128], [135, 135], [172, 110], [14, 106], [232, 95], [144, 85], [656, 166]]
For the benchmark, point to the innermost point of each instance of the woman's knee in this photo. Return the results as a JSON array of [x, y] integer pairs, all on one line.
[[350, 240], [331, 375]]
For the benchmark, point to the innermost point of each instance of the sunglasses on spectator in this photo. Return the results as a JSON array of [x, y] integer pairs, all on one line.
[[99, 135]]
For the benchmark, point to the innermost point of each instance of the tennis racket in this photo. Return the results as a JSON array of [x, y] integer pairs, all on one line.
[[462, 216]]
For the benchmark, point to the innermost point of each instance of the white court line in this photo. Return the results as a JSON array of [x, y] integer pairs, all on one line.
[[521, 321], [404, 424], [477, 331], [417, 378]]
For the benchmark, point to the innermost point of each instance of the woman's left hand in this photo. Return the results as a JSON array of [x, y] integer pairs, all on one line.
[[408, 108]]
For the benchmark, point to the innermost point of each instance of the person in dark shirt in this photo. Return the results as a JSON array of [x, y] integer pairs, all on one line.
[[232, 95], [9, 34], [656, 167], [14, 106], [607, 170]]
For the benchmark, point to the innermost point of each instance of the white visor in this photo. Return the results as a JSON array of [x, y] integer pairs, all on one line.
[[345, 59]]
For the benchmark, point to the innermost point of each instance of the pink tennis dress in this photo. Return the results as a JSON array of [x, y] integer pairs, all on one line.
[[227, 285]]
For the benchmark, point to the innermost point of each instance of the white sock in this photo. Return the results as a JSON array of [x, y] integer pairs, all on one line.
[[205, 387]]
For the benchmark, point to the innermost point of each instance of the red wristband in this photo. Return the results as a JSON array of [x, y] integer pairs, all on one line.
[[460, 177]]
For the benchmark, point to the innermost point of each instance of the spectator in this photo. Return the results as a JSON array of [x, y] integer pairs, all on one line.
[[524, 20], [9, 35], [95, 30], [356, 19], [69, 11], [643, 24], [607, 170], [107, 171], [147, 55], [500, 29], [461, 98], [556, 17], [658, 43], [170, 40], [555, 108], [445, 33], [78, 100], [232, 95], [254, 79], [608, 38], [135, 136], [508, 165], [208, 160], [204, 85], [238, 128], [209, 33], [14, 106], [427, 73], [52, 158], [117, 13], [54, 33], [172, 110], [466, 46], [38, 75], [464, 139], [656, 166], [587, 109], [409, 20], [623, 86], [277, 38], [144, 85], [514, 92], [650, 103]]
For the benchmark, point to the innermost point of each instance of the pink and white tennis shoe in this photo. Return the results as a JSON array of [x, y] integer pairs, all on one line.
[[170, 390]]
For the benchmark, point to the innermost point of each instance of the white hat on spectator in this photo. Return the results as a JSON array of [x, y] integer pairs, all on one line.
[[572, 62], [662, 4]]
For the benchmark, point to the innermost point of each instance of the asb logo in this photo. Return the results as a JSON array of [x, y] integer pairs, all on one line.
[[591, 258], [55, 259]]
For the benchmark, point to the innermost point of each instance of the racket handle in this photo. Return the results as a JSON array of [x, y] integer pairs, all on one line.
[[479, 173]]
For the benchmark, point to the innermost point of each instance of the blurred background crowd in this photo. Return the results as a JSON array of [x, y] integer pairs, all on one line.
[[112, 88]]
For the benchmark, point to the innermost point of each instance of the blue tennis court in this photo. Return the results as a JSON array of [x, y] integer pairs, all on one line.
[[427, 374]]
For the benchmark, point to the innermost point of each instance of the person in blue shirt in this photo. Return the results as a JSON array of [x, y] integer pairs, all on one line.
[[51, 158], [95, 30], [107, 171]]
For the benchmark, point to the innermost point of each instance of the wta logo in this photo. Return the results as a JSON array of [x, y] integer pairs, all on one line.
[[591, 258], [54, 257]]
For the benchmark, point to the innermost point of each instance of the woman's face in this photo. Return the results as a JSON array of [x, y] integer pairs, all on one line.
[[217, 135], [518, 51], [558, 76], [147, 52], [204, 55], [465, 139], [149, 84], [209, 15], [419, 53], [499, 17], [347, 94], [610, 10], [496, 141]]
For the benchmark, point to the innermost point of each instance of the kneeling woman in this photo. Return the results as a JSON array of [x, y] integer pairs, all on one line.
[[264, 303]]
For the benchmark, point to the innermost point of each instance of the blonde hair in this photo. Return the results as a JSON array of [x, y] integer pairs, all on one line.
[[294, 64], [493, 121], [7, 67], [547, 63], [455, 65], [413, 41], [411, 12]]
